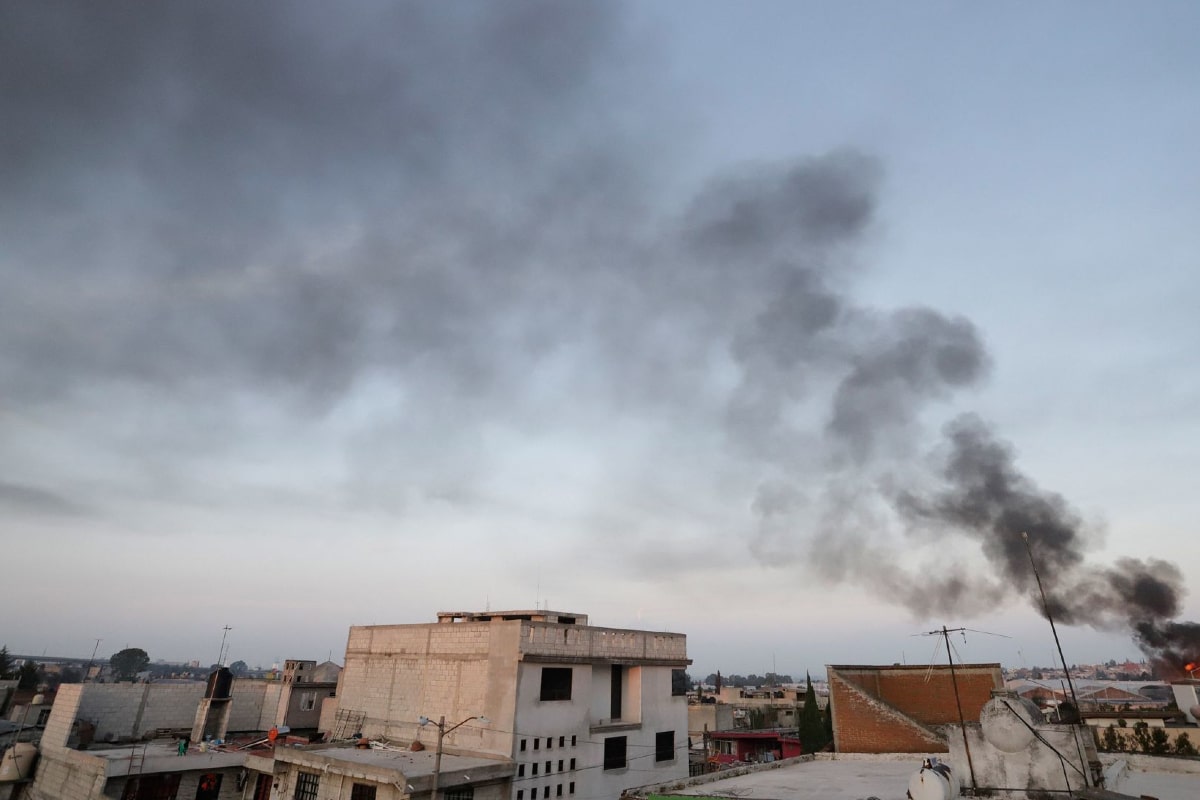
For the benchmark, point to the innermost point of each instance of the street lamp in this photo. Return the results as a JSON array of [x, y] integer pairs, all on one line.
[[437, 754]]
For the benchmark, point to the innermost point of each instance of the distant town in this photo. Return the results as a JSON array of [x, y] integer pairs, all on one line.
[[540, 704]]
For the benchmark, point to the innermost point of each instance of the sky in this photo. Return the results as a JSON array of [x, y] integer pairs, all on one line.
[[774, 324]]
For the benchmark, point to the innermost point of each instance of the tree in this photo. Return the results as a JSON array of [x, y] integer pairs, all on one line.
[[239, 669], [129, 662], [812, 726], [1141, 735], [1111, 740], [6, 665], [1184, 746], [1160, 742], [28, 677], [829, 719]]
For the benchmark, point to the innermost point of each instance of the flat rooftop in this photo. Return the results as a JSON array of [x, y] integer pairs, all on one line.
[[163, 756], [414, 764], [535, 615], [885, 777]]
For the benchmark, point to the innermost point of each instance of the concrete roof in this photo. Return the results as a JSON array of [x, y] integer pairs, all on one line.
[[163, 757], [842, 778], [418, 764]]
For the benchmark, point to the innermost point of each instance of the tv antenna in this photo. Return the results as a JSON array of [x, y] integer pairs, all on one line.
[[944, 633]]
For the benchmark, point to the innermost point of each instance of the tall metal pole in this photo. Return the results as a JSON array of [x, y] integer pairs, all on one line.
[[962, 723], [1066, 670], [87, 670], [437, 757], [221, 655]]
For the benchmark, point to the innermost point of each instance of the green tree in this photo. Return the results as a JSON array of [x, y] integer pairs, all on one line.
[[6, 665], [1160, 742], [129, 662], [1184, 746], [239, 669], [829, 719], [1111, 740], [29, 677], [1141, 735], [812, 726]]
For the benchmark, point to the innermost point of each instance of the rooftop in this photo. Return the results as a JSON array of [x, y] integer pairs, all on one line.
[[536, 615], [413, 765], [163, 756]]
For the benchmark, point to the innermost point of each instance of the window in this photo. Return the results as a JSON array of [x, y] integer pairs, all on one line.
[[572, 741], [679, 682], [535, 768], [571, 787], [306, 786], [362, 791], [556, 685], [537, 743], [520, 770], [558, 790], [615, 696], [549, 742], [522, 745], [533, 793], [459, 793], [614, 753], [262, 787], [152, 787], [664, 746], [308, 701], [562, 741], [549, 764], [209, 786], [520, 794], [572, 763], [560, 763]]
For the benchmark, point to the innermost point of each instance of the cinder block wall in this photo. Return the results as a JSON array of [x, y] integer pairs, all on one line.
[[248, 698], [874, 708], [67, 775]]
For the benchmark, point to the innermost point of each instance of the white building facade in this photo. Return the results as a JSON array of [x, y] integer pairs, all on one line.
[[583, 712]]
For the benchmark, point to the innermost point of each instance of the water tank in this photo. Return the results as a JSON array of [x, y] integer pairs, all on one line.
[[17, 763], [1007, 720], [934, 781], [220, 684]]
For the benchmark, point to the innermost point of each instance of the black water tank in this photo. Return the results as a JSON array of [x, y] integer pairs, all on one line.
[[220, 683]]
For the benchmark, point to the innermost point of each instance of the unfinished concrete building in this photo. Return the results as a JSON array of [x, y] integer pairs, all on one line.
[[577, 710]]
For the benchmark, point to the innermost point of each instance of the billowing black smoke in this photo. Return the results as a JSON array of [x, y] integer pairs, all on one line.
[[986, 497]]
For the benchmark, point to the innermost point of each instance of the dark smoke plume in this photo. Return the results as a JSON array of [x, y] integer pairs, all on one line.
[[986, 497]]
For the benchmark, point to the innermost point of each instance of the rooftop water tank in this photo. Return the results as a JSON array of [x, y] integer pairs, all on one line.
[[17, 763], [1008, 721], [934, 781]]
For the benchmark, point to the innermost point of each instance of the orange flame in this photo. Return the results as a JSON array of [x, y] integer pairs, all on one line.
[[1190, 667]]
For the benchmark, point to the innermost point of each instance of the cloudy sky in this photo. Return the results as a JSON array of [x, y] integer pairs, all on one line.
[[710, 317]]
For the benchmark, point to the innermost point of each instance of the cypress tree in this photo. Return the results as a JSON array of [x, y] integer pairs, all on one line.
[[812, 727]]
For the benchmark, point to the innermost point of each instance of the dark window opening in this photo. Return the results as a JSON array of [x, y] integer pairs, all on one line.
[[679, 682], [209, 786], [520, 794], [535, 769], [362, 791], [572, 763], [459, 793], [560, 765], [571, 787], [558, 790], [614, 752], [537, 743], [262, 787], [664, 746], [549, 764], [562, 741], [520, 770], [549, 742], [572, 741], [556, 685], [152, 787], [522, 745], [615, 698]]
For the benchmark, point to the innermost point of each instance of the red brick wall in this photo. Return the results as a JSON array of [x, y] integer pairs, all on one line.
[[874, 708]]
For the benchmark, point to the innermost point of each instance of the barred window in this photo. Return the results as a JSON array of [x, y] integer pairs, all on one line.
[[459, 793], [362, 791], [306, 786]]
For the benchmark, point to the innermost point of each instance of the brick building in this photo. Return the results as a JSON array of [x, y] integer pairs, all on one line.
[[897, 709], [577, 711]]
